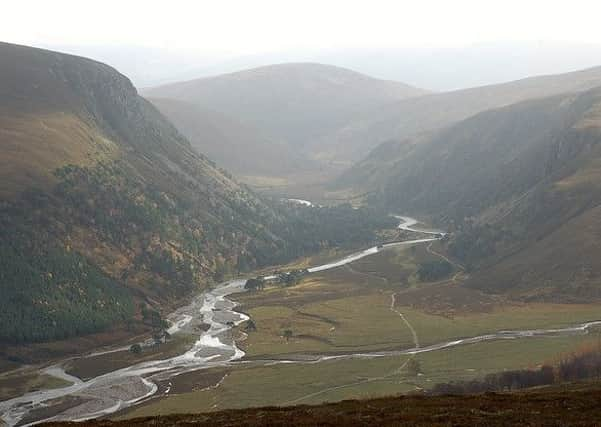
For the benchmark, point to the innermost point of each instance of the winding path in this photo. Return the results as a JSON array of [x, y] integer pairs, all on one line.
[[460, 268], [371, 379], [402, 316]]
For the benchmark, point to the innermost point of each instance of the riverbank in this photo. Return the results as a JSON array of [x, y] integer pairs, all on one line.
[[346, 312], [348, 343], [116, 390]]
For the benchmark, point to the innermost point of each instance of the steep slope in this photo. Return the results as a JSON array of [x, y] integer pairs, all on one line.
[[296, 103], [239, 148], [105, 205], [410, 118], [100, 191], [520, 186]]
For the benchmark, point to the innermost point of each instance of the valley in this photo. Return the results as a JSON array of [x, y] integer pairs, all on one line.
[[128, 383], [348, 342], [358, 320], [241, 240]]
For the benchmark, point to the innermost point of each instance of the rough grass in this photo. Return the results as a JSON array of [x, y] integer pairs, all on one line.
[[433, 329], [33, 146], [337, 325], [18, 383], [348, 309], [574, 404], [90, 367], [291, 384], [449, 299]]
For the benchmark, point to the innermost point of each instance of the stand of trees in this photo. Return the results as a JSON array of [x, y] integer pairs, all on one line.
[[582, 366], [255, 284], [136, 349], [51, 291], [59, 294], [434, 270], [292, 277]]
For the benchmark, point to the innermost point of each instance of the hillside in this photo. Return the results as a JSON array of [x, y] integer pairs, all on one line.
[[520, 187], [239, 148], [411, 118], [104, 202], [106, 210], [575, 404], [297, 103]]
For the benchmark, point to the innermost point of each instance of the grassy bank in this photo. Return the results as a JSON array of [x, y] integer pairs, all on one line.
[[359, 378], [349, 310]]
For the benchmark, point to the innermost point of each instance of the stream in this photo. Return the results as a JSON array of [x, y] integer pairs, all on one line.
[[122, 388]]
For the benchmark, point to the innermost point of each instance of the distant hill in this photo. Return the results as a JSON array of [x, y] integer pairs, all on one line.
[[240, 148], [413, 117], [521, 188], [105, 207], [438, 69], [297, 103]]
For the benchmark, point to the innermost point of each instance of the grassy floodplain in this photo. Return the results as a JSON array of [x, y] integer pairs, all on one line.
[[331, 381], [21, 381], [348, 310]]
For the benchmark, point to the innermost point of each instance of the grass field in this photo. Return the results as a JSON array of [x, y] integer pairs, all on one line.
[[366, 323], [343, 324], [360, 378], [349, 310]]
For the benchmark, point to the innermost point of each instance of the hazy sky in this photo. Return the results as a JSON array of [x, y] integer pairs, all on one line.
[[239, 27]]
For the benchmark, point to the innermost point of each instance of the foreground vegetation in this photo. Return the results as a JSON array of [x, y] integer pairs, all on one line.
[[336, 380], [574, 404]]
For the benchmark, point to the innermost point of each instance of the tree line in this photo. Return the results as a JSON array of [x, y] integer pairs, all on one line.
[[579, 366], [177, 239]]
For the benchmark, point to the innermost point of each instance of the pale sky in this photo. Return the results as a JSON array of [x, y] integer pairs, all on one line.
[[240, 27]]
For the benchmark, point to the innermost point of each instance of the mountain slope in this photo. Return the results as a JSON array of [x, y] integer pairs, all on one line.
[[296, 103], [105, 206], [239, 148], [520, 186], [410, 118], [103, 200]]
